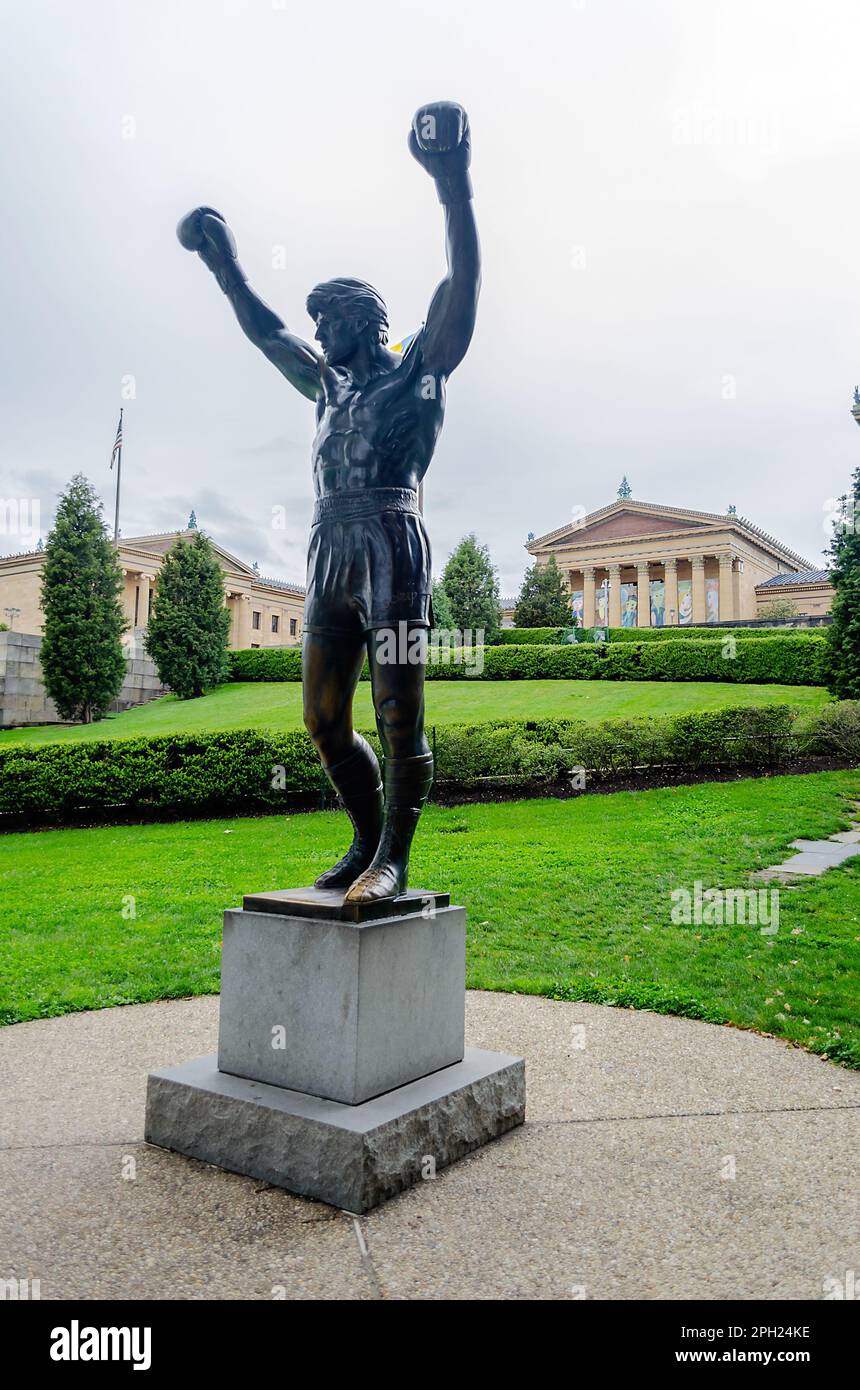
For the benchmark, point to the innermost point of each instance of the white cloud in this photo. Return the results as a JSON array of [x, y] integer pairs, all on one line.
[[728, 252]]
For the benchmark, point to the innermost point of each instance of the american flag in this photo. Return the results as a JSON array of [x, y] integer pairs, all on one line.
[[117, 444]]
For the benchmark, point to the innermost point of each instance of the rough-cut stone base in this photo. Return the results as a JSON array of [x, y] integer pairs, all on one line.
[[352, 1156]]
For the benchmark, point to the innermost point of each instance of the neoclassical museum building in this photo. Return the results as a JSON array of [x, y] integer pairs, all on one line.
[[264, 612], [637, 564], [690, 567]]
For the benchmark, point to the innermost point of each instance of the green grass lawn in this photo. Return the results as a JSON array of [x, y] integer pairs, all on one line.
[[278, 705], [568, 898]]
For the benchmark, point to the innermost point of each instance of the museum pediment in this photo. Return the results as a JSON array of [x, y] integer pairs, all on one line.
[[626, 523], [160, 544]]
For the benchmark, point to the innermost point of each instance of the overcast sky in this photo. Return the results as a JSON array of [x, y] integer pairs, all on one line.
[[667, 193]]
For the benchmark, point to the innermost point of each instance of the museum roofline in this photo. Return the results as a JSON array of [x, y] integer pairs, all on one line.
[[281, 584], [138, 543], [799, 579], [658, 509], [23, 555]]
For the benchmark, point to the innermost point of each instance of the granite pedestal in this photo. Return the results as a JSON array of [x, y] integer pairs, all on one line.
[[341, 1072], [338, 1008]]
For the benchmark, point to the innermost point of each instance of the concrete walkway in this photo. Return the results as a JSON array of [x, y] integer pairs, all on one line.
[[661, 1159], [815, 857]]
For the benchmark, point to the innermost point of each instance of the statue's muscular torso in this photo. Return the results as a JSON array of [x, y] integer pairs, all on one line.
[[381, 433]]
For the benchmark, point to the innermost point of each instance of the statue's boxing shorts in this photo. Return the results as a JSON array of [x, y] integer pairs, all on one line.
[[369, 563]]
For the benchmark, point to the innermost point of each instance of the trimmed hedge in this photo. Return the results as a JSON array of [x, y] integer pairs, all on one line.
[[773, 661], [554, 636], [544, 750], [218, 772], [525, 636], [266, 664], [709, 633], [250, 770]]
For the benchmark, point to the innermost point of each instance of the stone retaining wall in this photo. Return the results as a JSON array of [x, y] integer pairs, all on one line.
[[24, 700]]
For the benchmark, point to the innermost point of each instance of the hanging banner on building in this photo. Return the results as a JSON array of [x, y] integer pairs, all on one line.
[[712, 600], [685, 602], [577, 606], [628, 605], [600, 607], [658, 602]]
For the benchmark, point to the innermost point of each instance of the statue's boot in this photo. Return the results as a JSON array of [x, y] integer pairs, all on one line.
[[357, 781], [407, 787]]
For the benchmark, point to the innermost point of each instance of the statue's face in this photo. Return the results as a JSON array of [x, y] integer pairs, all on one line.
[[339, 336]]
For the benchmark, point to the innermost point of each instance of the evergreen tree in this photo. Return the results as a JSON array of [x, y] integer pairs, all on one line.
[[189, 624], [543, 600], [843, 665], [83, 665], [472, 587], [443, 618]]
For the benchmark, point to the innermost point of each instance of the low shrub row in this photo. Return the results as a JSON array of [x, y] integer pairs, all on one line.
[[250, 770], [245, 768], [266, 664], [775, 661], [780, 661], [534, 751], [526, 636], [709, 633], [555, 636]]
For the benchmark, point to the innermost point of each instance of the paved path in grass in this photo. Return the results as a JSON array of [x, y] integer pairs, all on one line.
[[661, 1159], [814, 857]]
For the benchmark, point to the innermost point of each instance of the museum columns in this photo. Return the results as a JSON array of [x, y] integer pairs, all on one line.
[[588, 614], [128, 597], [244, 621], [698, 589], [643, 595], [142, 615], [671, 615], [614, 595], [727, 589], [670, 589]]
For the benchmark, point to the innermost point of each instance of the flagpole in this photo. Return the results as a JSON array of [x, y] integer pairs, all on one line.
[[118, 473]]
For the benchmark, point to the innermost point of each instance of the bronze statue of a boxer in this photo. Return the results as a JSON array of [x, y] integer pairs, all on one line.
[[378, 416]]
